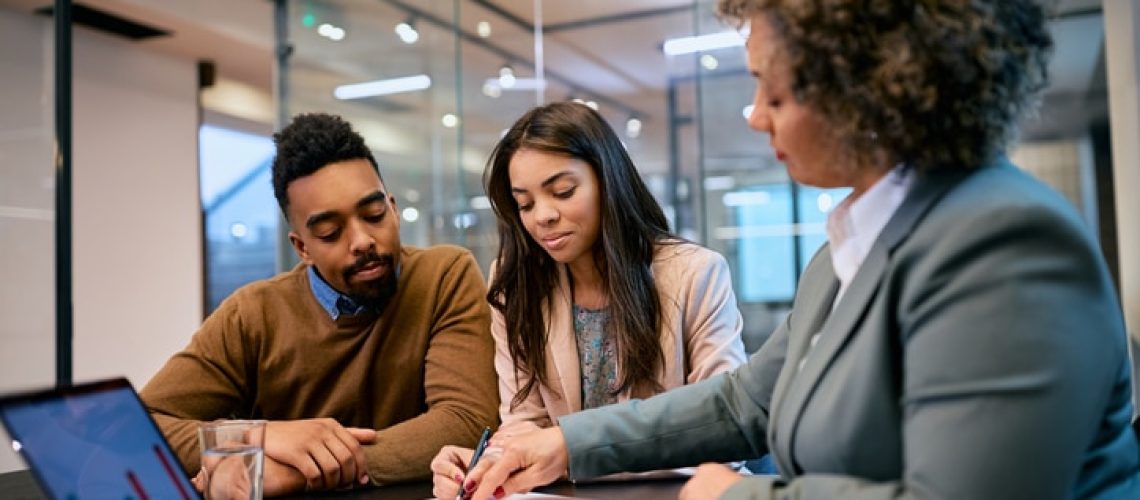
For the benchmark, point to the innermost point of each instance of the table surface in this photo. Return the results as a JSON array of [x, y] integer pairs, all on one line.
[[20, 485]]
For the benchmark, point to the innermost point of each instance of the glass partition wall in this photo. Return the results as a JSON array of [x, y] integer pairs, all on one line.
[[27, 209], [466, 69]]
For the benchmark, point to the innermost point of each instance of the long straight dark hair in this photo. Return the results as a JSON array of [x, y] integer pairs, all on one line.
[[632, 224]]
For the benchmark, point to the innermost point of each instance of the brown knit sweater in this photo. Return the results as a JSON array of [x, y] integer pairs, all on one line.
[[420, 373]]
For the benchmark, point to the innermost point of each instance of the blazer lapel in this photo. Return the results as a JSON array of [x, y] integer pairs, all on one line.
[[845, 319], [814, 297], [562, 345]]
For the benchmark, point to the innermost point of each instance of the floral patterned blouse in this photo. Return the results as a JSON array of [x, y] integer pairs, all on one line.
[[597, 356]]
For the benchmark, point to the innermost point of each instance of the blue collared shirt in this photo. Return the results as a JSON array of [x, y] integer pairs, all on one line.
[[332, 301]]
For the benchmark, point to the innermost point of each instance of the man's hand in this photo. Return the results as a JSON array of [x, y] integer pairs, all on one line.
[[327, 454], [281, 479], [226, 478], [710, 481], [528, 460]]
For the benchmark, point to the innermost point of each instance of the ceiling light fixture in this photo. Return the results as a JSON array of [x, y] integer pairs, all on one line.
[[589, 104], [334, 33], [407, 31], [483, 29], [711, 41], [507, 77], [633, 127], [709, 62], [382, 87], [492, 89]]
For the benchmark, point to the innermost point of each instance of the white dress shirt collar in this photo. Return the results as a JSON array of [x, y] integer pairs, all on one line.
[[855, 223]]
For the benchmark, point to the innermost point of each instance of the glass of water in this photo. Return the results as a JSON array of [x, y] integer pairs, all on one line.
[[233, 456]]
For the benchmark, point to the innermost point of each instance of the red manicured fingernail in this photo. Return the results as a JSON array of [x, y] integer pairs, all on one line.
[[499, 492], [469, 486], [458, 478]]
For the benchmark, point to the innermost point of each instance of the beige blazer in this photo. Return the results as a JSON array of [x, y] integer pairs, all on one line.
[[701, 336]]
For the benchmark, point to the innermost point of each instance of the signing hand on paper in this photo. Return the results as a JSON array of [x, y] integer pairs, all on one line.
[[449, 470], [527, 460]]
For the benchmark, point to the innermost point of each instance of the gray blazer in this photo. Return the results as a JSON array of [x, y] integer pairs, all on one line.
[[979, 352]]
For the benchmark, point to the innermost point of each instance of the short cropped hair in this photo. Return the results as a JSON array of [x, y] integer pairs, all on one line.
[[310, 142]]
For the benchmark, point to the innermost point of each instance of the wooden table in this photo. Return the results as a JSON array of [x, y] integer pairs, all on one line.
[[20, 485]]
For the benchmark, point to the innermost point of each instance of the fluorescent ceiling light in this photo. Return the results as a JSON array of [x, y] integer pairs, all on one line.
[[519, 84], [382, 87], [711, 41]]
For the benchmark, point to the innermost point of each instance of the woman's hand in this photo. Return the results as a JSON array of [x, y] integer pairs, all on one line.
[[528, 460], [514, 429], [710, 481], [448, 469]]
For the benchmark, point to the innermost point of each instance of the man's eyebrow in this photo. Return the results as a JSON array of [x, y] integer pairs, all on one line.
[[549, 180], [318, 218], [375, 196]]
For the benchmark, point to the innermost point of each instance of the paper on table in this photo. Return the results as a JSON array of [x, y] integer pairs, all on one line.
[[525, 496]]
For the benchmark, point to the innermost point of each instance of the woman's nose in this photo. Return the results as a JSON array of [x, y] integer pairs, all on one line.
[[758, 119], [546, 214]]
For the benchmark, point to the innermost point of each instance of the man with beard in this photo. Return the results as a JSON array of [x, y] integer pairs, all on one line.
[[366, 358]]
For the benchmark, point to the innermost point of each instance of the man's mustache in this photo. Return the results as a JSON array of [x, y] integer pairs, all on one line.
[[367, 260]]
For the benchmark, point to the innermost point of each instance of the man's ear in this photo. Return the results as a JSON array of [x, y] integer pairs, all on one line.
[[299, 247], [392, 200]]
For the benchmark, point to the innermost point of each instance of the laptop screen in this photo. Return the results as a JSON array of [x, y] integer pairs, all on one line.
[[93, 441]]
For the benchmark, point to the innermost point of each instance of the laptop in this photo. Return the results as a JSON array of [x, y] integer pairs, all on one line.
[[94, 440]]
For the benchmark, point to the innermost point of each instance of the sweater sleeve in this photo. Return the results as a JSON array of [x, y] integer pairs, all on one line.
[[459, 382], [208, 380]]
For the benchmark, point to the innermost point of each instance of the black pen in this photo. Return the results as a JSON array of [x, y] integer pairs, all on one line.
[[475, 457]]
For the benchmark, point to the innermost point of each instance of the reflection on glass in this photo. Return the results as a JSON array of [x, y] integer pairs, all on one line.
[[240, 210]]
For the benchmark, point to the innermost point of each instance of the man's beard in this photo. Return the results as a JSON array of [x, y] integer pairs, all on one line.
[[374, 294]]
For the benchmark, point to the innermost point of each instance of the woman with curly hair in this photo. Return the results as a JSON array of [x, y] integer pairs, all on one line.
[[958, 336], [593, 300]]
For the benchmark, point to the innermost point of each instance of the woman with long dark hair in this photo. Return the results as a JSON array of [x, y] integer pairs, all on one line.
[[594, 300]]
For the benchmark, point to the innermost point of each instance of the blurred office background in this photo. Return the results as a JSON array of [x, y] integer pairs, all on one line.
[[174, 103]]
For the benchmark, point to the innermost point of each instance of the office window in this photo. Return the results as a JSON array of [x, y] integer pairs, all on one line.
[[775, 224], [239, 210], [764, 220]]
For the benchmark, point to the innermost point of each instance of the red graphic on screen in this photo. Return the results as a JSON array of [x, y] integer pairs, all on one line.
[[170, 472], [135, 485]]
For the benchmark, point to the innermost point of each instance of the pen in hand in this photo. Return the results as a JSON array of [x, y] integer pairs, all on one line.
[[475, 457]]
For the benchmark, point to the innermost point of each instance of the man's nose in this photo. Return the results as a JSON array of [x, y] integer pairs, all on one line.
[[360, 240]]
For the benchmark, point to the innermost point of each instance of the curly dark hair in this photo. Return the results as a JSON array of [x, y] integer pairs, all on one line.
[[310, 142], [934, 83], [632, 224]]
